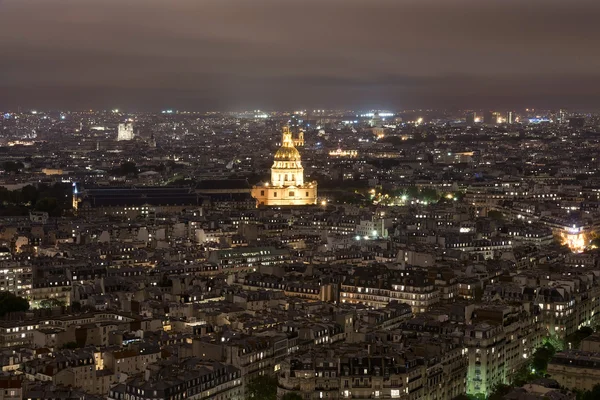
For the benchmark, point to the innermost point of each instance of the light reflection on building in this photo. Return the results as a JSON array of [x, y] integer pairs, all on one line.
[[343, 153], [575, 239]]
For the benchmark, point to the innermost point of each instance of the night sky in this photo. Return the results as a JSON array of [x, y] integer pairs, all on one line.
[[279, 54]]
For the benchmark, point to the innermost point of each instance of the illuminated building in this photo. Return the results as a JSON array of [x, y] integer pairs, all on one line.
[[125, 131], [52, 171], [378, 131], [376, 120], [454, 157], [344, 153], [562, 116], [499, 342], [287, 186], [575, 238]]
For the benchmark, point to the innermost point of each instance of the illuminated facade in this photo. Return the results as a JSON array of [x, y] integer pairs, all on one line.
[[299, 140], [575, 238], [287, 186], [125, 131], [344, 153]]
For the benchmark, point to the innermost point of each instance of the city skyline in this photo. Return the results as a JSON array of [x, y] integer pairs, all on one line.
[[458, 251], [355, 54], [299, 200]]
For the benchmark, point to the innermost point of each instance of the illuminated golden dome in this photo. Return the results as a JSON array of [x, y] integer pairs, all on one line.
[[287, 153]]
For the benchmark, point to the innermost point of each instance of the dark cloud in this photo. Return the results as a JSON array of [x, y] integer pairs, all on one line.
[[207, 54]]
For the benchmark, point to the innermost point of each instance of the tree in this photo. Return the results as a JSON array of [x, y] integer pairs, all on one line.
[[11, 166], [523, 376], [262, 388], [76, 306], [292, 396], [478, 293], [51, 303], [126, 168], [29, 194], [499, 392], [429, 194], [47, 204], [12, 303], [412, 192], [461, 397], [542, 356], [555, 342], [575, 338], [497, 215], [593, 394]]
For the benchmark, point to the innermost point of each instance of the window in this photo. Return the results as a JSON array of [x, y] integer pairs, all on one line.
[[262, 192], [306, 194], [395, 393], [275, 194], [291, 194]]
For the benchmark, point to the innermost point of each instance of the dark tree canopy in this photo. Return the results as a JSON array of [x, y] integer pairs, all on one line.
[[499, 392], [593, 394], [126, 168], [53, 199], [12, 166], [262, 388], [497, 215], [576, 337], [51, 303], [292, 396], [12, 303]]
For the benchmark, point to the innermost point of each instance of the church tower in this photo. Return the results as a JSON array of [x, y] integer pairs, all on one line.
[[287, 186]]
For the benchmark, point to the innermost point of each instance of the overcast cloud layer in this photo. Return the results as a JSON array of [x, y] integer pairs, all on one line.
[[277, 54]]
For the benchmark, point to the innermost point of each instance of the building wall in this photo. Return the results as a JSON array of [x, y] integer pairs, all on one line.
[[574, 377], [285, 196]]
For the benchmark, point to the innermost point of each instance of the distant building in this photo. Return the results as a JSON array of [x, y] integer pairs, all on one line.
[[11, 388], [343, 153], [296, 124], [562, 116], [125, 131], [471, 118], [223, 186], [510, 117], [247, 259], [133, 202], [39, 217], [489, 118], [287, 186], [376, 121], [454, 157], [214, 381], [16, 278], [574, 369]]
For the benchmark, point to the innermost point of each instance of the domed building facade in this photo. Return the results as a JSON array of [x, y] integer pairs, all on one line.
[[287, 186]]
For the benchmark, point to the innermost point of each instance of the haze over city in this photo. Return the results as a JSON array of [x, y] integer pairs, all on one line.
[[226, 55]]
